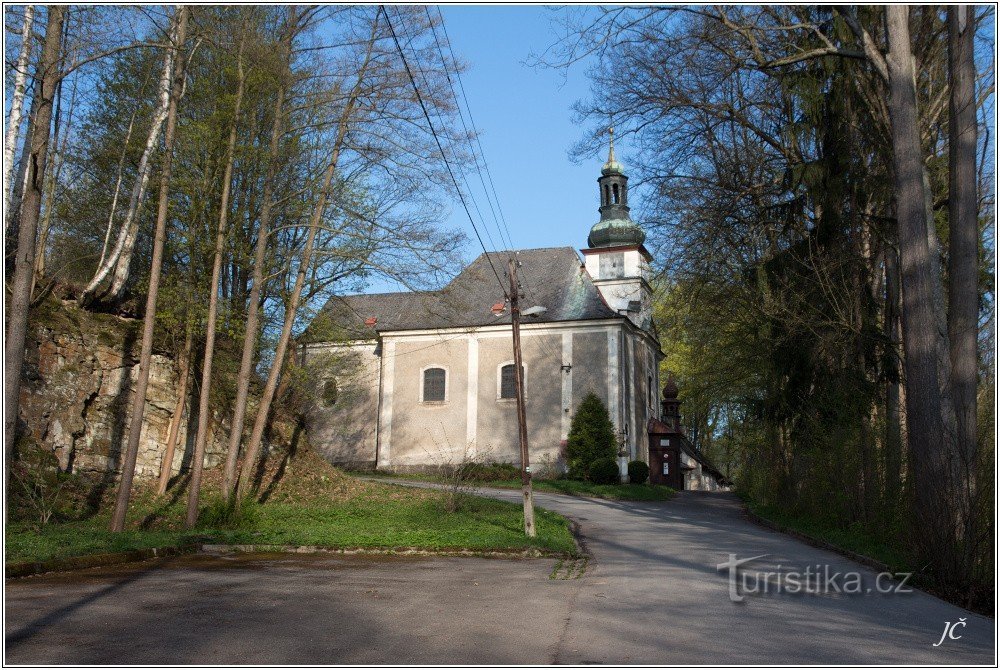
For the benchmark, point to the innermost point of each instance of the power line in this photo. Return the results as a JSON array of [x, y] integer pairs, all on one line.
[[437, 140], [474, 134], [482, 153], [524, 275], [461, 86], [427, 84]]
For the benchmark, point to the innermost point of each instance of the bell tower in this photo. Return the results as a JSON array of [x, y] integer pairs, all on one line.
[[671, 405], [616, 259]]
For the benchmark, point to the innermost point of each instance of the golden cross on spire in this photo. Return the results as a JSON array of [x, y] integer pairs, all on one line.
[[611, 150]]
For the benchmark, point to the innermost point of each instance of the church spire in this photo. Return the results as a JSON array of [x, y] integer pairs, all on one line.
[[616, 227]]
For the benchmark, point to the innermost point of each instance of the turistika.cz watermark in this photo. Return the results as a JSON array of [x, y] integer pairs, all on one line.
[[815, 579]]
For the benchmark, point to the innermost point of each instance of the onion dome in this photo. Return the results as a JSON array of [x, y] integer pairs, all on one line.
[[616, 227]]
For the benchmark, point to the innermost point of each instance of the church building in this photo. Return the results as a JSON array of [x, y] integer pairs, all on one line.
[[415, 380]]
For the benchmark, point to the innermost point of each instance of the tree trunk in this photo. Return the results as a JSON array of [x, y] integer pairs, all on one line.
[[963, 225], [197, 462], [18, 188], [47, 75], [166, 466], [121, 256], [264, 408], [893, 458], [923, 395], [260, 253], [58, 159], [260, 421], [178, 34], [16, 107]]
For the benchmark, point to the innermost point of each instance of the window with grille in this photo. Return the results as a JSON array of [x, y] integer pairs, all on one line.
[[435, 380], [508, 387]]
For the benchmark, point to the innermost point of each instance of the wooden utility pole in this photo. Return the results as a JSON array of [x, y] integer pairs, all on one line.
[[522, 426]]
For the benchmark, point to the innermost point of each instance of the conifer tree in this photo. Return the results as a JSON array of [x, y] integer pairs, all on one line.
[[591, 436]]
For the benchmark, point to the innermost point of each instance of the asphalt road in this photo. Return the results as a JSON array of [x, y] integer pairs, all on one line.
[[652, 593]]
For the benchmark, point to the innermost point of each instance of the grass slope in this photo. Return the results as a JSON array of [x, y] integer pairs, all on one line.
[[304, 501], [852, 538]]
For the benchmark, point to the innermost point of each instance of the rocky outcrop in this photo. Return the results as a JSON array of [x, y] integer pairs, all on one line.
[[77, 394]]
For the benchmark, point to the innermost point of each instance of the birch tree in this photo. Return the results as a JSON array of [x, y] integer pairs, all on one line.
[[120, 257], [16, 106]]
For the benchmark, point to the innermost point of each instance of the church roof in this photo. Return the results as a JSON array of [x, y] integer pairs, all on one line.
[[552, 278]]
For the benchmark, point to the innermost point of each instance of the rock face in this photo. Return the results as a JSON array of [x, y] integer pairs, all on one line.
[[77, 394]]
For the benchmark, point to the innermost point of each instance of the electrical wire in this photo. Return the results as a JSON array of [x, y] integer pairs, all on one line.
[[437, 140], [473, 135]]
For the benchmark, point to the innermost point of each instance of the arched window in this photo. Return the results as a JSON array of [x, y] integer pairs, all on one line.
[[506, 384], [614, 190], [435, 385], [607, 196]]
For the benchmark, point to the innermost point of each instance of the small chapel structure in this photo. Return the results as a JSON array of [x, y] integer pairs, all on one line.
[[416, 380]]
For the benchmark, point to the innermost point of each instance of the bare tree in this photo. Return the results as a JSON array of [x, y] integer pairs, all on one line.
[[47, 75], [197, 463], [178, 35], [264, 408], [260, 253]]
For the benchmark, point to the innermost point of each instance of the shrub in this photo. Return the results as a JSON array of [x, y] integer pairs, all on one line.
[[638, 472], [39, 491], [487, 472], [604, 471], [591, 437]]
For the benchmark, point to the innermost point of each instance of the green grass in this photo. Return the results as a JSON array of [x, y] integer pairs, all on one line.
[[852, 537], [564, 486], [372, 517], [589, 490]]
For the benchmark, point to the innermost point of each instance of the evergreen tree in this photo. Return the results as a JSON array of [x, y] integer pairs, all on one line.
[[591, 436]]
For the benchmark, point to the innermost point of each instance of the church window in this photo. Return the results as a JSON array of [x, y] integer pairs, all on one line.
[[435, 386], [507, 385], [614, 190], [607, 195]]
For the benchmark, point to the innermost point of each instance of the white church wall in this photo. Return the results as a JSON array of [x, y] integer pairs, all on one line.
[[340, 425], [563, 362], [428, 433]]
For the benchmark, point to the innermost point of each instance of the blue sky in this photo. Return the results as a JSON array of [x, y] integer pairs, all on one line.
[[526, 128], [524, 118]]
